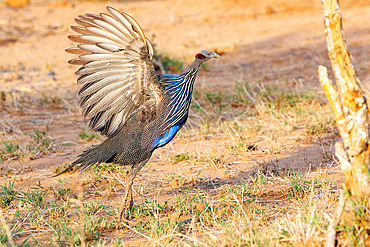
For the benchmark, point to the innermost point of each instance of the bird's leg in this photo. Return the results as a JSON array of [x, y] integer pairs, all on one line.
[[128, 202]]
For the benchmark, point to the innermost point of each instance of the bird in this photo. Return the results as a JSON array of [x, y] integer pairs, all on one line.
[[122, 97]]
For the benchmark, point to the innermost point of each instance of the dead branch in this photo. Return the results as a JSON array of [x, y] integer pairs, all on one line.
[[351, 113], [348, 103]]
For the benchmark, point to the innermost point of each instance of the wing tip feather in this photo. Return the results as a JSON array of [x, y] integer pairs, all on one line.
[[76, 61], [74, 38]]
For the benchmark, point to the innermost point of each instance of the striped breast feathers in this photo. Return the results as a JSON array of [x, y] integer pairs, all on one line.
[[117, 70]]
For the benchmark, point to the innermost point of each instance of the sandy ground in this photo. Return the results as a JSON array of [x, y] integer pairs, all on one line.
[[270, 42]]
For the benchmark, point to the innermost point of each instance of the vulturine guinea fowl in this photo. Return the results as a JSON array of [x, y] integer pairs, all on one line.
[[122, 96]]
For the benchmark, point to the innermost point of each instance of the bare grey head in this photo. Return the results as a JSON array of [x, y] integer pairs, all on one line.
[[204, 56]]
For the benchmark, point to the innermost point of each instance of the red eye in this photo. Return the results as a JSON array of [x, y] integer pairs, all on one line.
[[208, 54]]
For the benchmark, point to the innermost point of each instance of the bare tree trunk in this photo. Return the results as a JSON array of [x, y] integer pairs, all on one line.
[[350, 110]]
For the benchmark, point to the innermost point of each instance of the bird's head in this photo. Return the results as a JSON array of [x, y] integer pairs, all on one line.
[[206, 55]]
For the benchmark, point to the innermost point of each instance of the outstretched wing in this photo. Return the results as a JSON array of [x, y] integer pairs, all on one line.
[[117, 70]]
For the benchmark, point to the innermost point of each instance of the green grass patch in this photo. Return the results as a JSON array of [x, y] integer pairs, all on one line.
[[87, 136]]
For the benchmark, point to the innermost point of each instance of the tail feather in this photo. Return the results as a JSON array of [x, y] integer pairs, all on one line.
[[96, 155]]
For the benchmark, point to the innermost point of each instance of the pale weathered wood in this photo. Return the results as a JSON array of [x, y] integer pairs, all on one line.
[[348, 103], [352, 116]]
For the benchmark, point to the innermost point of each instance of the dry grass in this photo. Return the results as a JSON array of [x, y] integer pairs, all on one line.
[[270, 206], [262, 210], [253, 166]]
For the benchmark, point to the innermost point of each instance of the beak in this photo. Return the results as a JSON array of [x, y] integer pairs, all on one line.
[[216, 55]]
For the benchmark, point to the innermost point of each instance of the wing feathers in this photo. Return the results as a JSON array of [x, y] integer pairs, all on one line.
[[85, 22], [80, 30], [104, 65], [75, 50], [109, 47], [135, 25], [108, 20], [150, 48], [86, 78], [106, 34], [136, 44], [92, 88], [113, 52], [96, 56], [92, 16], [91, 39], [120, 17], [104, 102], [92, 48], [76, 61], [115, 122]]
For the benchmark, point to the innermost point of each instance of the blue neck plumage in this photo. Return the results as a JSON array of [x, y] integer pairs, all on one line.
[[179, 89]]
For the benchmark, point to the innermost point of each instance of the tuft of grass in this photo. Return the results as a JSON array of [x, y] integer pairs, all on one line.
[[354, 226], [9, 150], [251, 101], [61, 193], [179, 157], [7, 193], [106, 167], [260, 118], [229, 217], [170, 64], [40, 144], [67, 233], [54, 101], [177, 181], [299, 186], [62, 167], [241, 146], [219, 161], [87, 136], [40, 139], [321, 126]]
